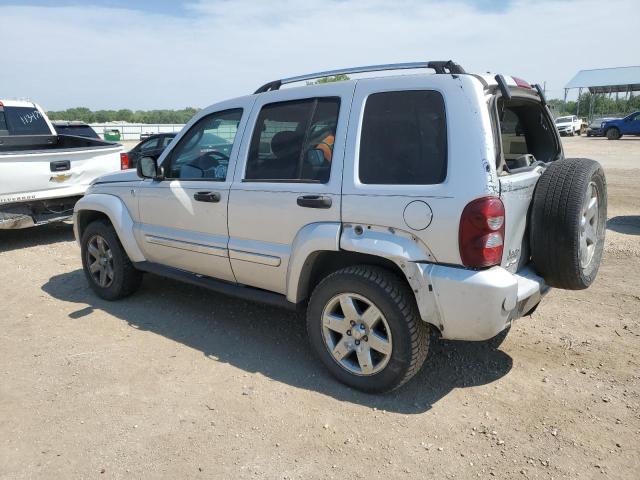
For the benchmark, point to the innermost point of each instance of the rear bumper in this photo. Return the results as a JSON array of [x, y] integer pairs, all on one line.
[[33, 213], [477, 305]]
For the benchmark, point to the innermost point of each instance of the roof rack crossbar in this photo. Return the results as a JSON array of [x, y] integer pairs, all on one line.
[[440, 67]]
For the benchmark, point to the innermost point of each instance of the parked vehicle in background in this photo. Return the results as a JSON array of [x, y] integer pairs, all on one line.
[[595, 127], [74, 128], [44, 173], [383, 206], [629, 125], [569, 125], [152, 146]]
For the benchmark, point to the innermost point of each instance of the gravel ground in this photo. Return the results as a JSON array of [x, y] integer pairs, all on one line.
[[177, 382]]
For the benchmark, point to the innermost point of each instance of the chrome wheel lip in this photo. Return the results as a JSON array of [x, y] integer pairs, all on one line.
[[589, 225], [99, 259], [346, 342]]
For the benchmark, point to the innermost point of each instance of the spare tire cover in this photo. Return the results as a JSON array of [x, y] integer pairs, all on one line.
[[568, 223]]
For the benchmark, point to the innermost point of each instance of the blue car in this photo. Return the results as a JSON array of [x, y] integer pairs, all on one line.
[[629, 125]]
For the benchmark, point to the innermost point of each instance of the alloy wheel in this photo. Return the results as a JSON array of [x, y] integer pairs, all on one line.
[[356, 334], [100, 261]]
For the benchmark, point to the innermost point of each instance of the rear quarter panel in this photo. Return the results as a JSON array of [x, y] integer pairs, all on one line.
[[470, 171]]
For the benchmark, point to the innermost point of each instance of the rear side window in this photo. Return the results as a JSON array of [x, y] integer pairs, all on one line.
[[3, 121], [25, 121], [293, 141], [77, 131], [404, 139], [151, 144]]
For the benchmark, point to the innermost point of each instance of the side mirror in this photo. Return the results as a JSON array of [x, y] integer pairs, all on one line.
[[148, 168]]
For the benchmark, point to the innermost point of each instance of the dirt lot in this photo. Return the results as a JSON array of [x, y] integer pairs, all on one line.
[[177, 382]]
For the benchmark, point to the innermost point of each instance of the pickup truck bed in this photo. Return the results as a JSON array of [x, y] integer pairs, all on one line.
[[42, 176]]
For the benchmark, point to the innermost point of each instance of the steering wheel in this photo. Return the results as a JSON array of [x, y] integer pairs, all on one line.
[[216, 154]]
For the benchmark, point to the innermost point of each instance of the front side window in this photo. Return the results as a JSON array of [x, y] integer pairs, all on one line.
[[204, 151], [26, 121], [403, 139], [293, 141]]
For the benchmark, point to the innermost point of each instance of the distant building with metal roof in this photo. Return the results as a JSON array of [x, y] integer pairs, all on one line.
[[607, 80]]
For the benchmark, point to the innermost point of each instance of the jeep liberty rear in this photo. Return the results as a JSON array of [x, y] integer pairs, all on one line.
[[383, 206]]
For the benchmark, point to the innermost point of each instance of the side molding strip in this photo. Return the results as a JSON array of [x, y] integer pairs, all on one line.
[[182, 245], [255, 257]]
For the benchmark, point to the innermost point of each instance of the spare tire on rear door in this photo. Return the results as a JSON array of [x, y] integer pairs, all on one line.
[[568, 222]]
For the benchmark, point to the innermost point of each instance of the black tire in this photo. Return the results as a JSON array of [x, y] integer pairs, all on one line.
[[613, 134], [557, 212], [410, 334], [126, 279]]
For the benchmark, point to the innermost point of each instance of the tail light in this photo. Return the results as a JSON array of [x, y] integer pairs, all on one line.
[[124, 161], [481, 235], [522, 83]]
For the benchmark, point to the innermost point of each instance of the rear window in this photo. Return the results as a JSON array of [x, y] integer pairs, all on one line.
[[25, 121], [404, 139], [76, 130]]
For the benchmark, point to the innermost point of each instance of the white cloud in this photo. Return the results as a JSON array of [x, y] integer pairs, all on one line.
[[116, 58]]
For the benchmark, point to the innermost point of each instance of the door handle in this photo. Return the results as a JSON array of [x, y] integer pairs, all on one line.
[[60, 166], [314, 201], [211, 197]]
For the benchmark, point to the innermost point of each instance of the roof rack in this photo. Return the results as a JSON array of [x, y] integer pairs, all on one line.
[[447, 66]]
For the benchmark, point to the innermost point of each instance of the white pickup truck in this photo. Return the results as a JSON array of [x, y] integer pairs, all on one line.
[[43, 174], [569, 125]]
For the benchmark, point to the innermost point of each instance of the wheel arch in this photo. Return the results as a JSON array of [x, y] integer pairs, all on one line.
[[344, 247], [109, 207], [322, 263]]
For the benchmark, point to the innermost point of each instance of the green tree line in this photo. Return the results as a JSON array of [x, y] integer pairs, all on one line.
[[602, 105], [141, 116], [124, 115]]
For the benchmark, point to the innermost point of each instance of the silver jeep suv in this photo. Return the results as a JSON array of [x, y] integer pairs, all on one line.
[[383, 206]]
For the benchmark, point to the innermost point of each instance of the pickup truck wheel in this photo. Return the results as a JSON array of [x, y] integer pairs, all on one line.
[[363, 323], [568, 222], [613, 134], [106, 265]]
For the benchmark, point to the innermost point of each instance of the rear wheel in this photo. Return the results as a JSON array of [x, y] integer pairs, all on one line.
[[364, 325], [568, 220], [106, 265], [613, 134]]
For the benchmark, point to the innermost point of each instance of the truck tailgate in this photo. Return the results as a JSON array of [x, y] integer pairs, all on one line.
[[37, 175]]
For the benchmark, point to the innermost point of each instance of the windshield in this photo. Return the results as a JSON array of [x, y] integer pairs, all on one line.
[[26, 121], [563, 119]]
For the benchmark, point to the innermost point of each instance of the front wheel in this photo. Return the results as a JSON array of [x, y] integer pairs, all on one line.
[[613, 134], [106, 265], [364, 324]]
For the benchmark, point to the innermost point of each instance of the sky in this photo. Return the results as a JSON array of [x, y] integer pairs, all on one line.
[[112, 54]]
